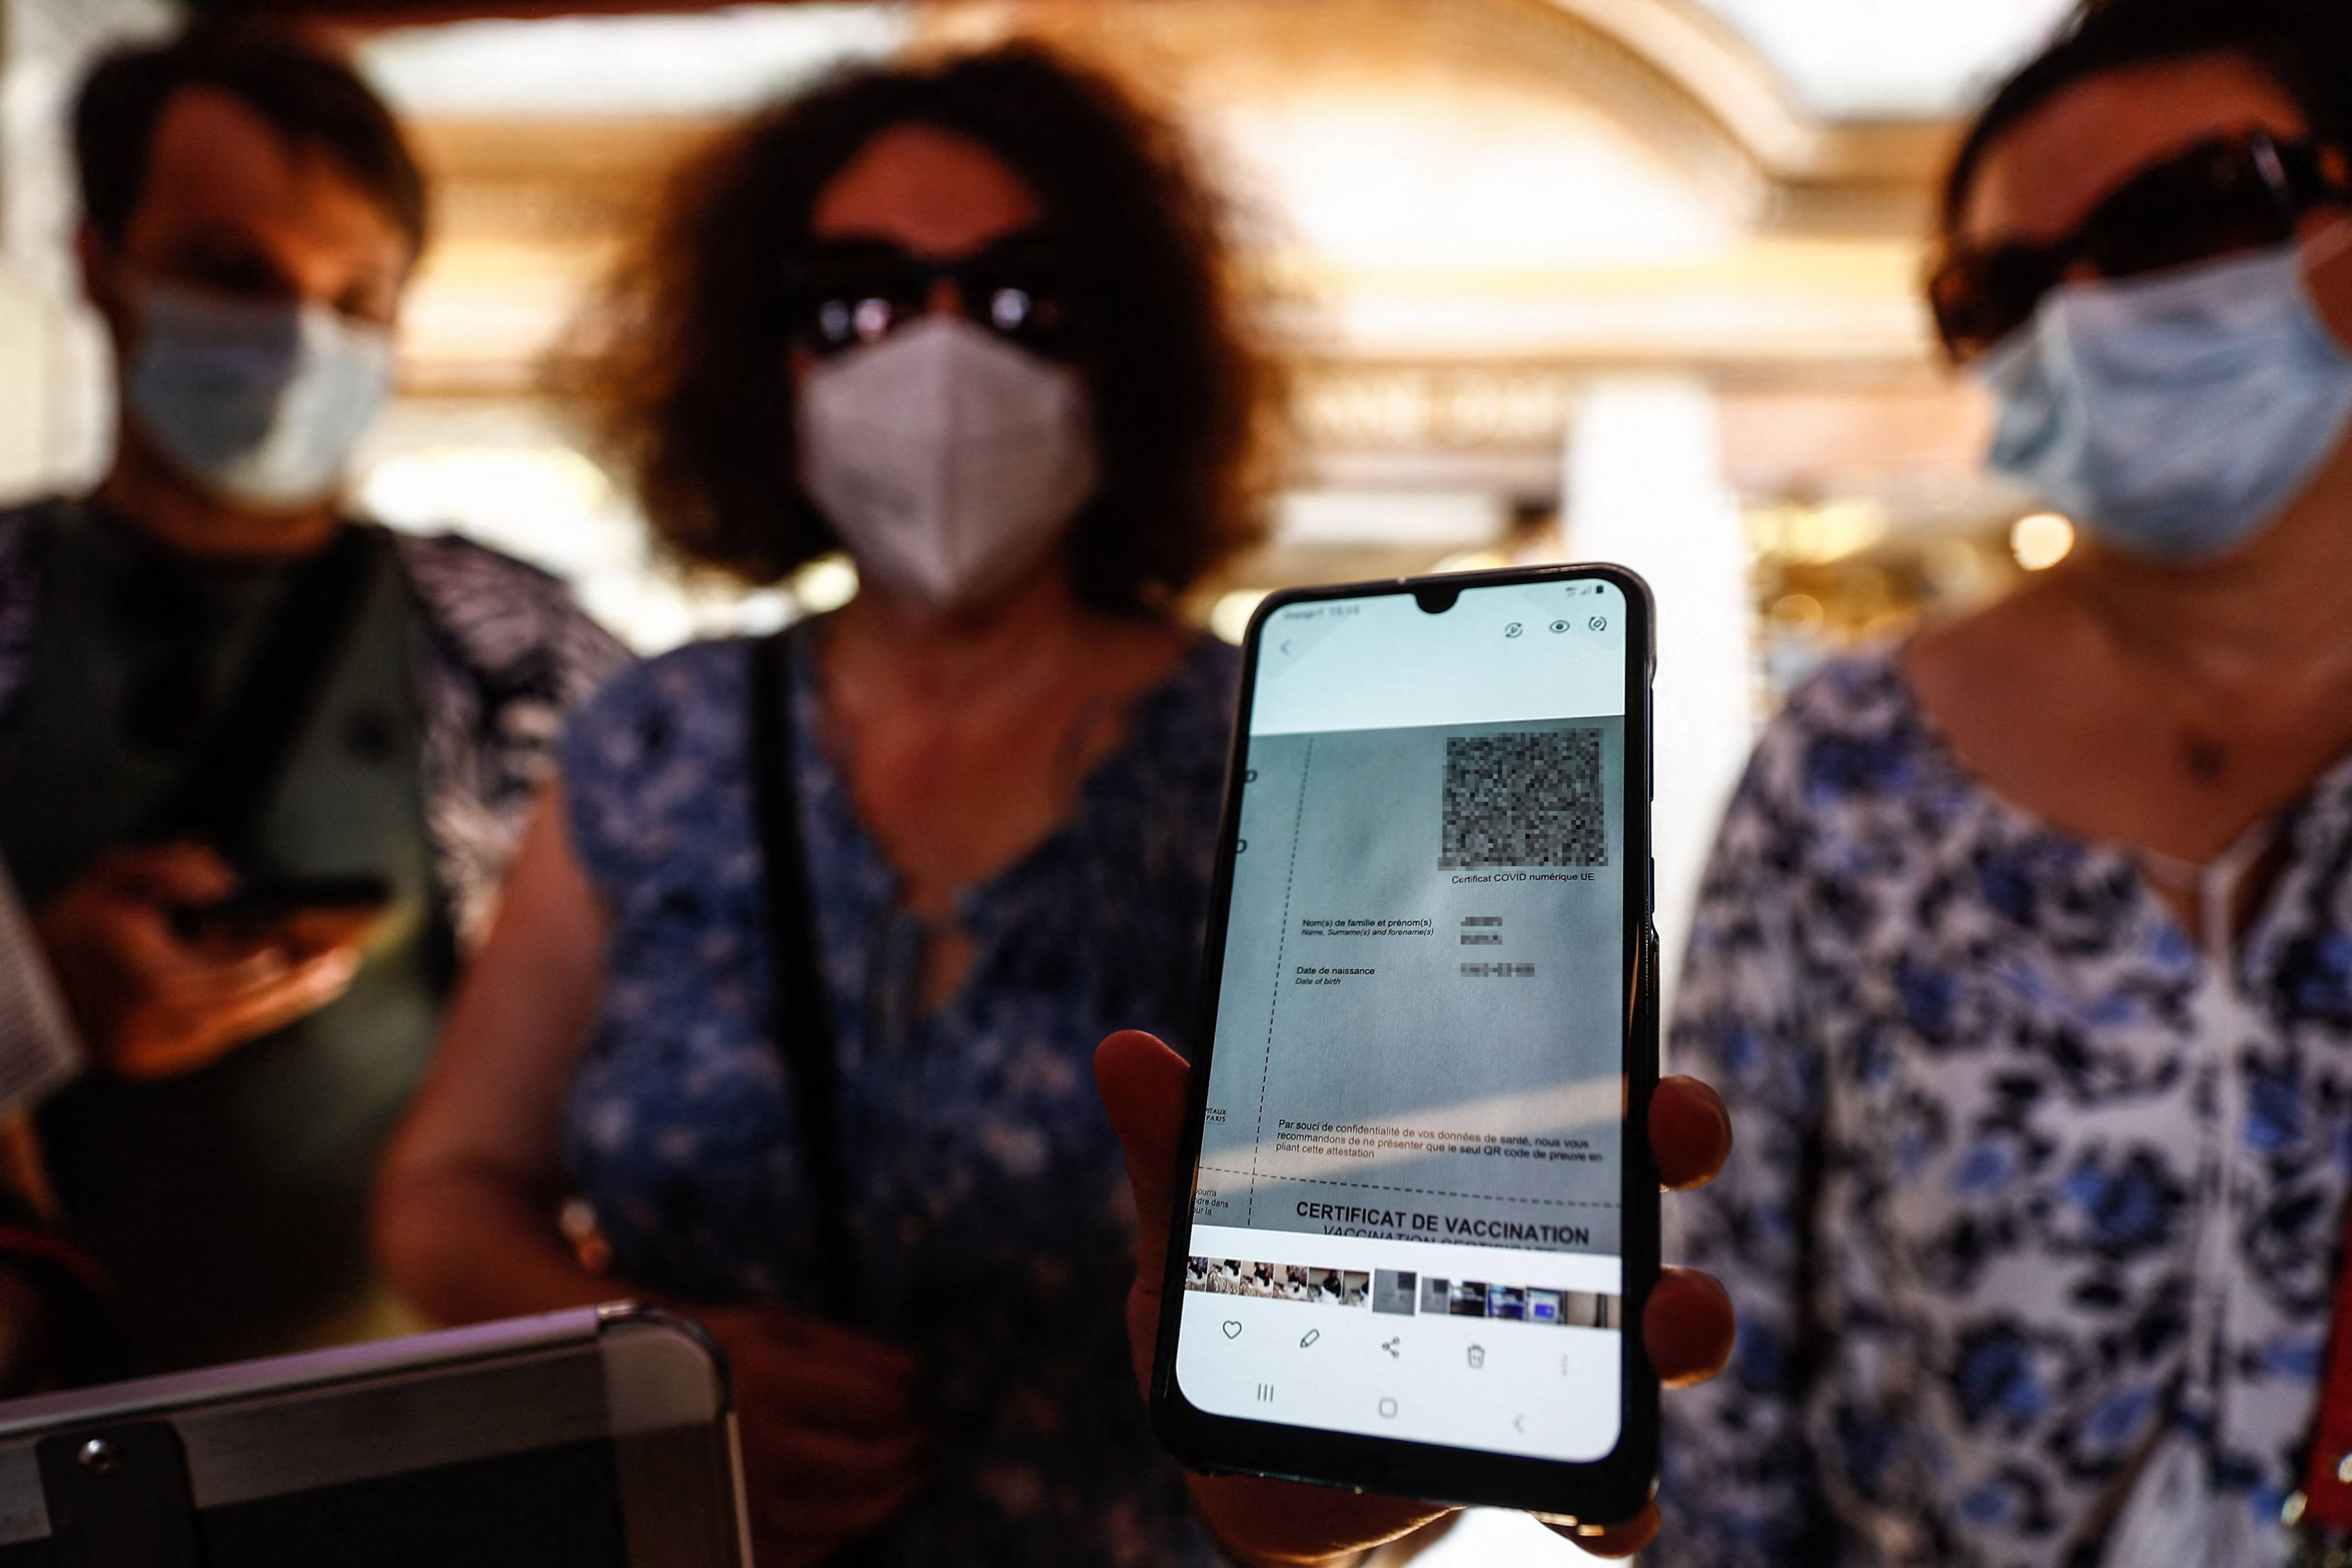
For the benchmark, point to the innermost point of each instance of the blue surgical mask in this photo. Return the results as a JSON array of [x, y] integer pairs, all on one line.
[[2175, 414], [260, 403]]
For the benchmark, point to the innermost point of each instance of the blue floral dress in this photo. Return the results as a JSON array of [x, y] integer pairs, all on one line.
[[2024, 1174], [989, 1192]]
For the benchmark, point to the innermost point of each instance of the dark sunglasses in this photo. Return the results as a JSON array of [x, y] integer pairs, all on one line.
[[2228, 195], [846, 293]]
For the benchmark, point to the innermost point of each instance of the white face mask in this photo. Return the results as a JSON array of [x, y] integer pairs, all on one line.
[[947, 459], [260, 403]]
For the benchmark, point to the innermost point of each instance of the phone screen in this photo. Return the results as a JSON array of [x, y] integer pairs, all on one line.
[[1407, 1215]]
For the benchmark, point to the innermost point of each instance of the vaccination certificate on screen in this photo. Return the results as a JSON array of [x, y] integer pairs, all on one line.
[[1406, 1217]]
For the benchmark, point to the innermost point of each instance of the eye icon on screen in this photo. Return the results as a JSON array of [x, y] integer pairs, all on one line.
[[1557, 627]]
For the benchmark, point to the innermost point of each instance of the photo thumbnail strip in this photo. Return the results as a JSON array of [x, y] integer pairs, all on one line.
[[1279, 1282], [1404, 1292]]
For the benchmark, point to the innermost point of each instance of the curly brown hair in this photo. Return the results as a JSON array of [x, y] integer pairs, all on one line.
[[685, 368]]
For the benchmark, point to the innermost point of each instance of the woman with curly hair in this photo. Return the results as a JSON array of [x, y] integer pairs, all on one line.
[[971, 323]]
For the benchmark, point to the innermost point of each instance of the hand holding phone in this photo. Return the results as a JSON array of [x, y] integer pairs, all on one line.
[[305, 913], [1418, 1206], [1687, 1325], [150, 1000]]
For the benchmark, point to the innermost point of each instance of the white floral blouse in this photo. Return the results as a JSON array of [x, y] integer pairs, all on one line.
[[2015, 1156]]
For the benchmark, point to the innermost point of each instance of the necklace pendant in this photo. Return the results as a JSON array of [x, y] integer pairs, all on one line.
[[2207, 762]]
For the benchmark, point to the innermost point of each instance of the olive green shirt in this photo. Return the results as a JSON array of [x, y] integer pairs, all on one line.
[[229, 1204]]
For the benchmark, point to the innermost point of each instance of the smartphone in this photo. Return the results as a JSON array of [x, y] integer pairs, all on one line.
[[1422, 1209], [263, 905]]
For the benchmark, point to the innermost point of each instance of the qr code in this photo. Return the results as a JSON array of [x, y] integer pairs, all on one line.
[[1527, 799]]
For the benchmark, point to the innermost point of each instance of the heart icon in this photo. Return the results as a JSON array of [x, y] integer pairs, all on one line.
[[1232, 1327]]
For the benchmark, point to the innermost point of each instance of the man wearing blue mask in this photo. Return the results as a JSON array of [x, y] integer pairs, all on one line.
[[262, 761]]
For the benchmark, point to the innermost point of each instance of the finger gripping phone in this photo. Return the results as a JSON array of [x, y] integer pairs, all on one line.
[[1423, 1217]]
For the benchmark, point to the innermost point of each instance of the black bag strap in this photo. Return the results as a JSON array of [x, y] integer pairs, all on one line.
[[244, 754], [800, 1023]]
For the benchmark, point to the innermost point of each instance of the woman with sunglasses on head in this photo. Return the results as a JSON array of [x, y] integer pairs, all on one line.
[[969, 323], [2025, 957]]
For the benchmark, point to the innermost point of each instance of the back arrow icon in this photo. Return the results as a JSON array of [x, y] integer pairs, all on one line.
[[1519, 1423]]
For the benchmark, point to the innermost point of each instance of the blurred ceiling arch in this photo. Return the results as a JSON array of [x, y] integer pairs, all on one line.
[[1696, 80], [1818, 171], [1719, 68], [1577, 180], [1676, 78], [1710, 58]]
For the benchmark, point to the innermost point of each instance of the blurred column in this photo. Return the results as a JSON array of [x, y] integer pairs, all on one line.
[[54, 410], [1647, 488]]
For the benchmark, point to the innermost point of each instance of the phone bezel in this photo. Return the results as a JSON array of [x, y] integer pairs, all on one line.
[[1611, 1488], [262, 904]]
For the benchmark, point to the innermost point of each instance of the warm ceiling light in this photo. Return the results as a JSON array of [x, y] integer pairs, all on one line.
[[1229, 617], [2041, 541]]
